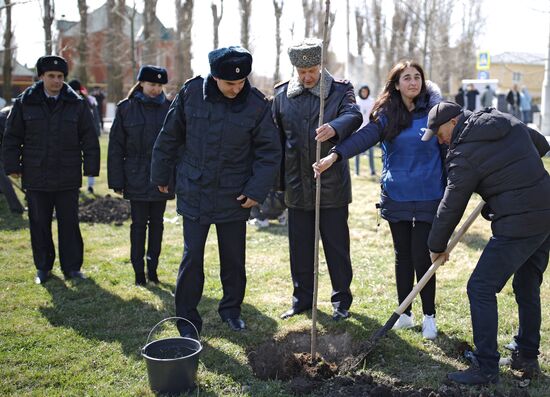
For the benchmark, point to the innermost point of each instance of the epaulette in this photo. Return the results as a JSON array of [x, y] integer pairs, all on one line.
[[121, 102], [258, 93], [281, 83], [341, 81], [198, 76]]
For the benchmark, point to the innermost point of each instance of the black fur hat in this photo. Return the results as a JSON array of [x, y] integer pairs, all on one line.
[[153, 74], [49, 63], [230, 63]]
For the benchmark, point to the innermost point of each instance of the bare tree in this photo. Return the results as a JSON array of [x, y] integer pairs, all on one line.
[[376, 39], [217, 20], [7, 66], [149, 32], [360, 30], [184, 22], [47, 19], [440, 47], [278, 6], [245, 6], [115, 54], [472, 23], [82, 42], [313, 15]]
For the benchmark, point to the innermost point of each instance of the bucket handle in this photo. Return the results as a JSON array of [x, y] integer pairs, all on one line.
[[171, 318]]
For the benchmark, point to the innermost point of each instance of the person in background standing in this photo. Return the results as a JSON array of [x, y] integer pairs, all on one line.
[[471, 97], [525, 106], [487, 97], [514, 98], [365, 103], [459, 97], [137, 124], [100, 98], [92, 104], [49, 137]]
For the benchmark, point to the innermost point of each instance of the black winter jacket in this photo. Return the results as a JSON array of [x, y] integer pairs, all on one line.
[[48, 147], [137, 124], [498, 157], [221, 147], [298, 118]]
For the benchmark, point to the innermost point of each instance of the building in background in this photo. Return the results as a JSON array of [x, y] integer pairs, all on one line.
[[21, 78]]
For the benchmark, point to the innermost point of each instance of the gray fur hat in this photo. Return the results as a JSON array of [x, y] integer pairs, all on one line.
[[306, 54]]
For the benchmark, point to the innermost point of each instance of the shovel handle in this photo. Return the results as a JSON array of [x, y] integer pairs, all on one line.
[[439, 261], [171, 318]]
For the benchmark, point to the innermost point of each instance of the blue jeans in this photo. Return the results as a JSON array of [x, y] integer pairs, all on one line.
[[526, 259]]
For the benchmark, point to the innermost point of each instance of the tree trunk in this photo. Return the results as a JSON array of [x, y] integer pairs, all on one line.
[[278, 6], [115, 52], [48, 17], [7, 66], [149, 32], [184, 22], [375, 38], [245, 7], [217, 20], [82, 73]]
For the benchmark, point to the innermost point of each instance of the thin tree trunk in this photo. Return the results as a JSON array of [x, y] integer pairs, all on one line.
[[184, 22], [149, 32], [278, 6], [48, 17], [217, 20], [82, 42], [7, 66], [245, 7], [115, 77]]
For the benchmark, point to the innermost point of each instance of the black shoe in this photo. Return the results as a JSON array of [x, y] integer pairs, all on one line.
[[472, 376], [76, 274], [90, 190], [235, 324], [140, 279], [292, 312], [152, 276], [42, 276], [340, 314], [529, 366]]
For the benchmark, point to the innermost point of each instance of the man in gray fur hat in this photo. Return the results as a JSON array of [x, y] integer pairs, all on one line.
[[296, 111]]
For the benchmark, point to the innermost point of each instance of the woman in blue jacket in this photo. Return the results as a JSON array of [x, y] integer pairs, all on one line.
[[137, 123], [412, 179]]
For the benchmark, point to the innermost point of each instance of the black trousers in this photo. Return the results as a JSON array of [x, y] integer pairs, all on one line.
[[146, 215], [335, 236], [190, 282], [410, 242], [41, 206]]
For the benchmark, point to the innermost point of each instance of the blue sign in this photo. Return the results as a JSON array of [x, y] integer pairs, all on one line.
[[483, 75]]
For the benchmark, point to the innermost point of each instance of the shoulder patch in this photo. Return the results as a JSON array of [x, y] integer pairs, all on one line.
[[281, 83]]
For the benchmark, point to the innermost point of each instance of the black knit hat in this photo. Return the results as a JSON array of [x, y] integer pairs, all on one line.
[[75, 85], [153, 74], [230, 63], [49, 63]]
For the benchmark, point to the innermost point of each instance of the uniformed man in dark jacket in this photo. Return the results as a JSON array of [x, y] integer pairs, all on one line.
[[220, 136], [296, 110], [498, 157], [6, 187], [49, 136]]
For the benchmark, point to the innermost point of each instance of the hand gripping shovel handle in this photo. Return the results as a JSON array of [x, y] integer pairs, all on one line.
[[421, 283]]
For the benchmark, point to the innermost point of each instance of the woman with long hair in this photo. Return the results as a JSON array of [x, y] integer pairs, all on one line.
[[412, 178], [138, 121]]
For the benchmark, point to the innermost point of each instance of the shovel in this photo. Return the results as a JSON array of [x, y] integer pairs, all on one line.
[[368, 345]]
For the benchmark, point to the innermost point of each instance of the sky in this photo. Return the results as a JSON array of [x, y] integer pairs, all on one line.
[[510, 26]]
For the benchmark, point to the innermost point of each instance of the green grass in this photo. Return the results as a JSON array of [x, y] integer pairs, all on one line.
[[84, 338]]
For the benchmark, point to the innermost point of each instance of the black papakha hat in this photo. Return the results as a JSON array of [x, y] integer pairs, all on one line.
[[49, 63], [153, 74], [439, 115], [230, 63]]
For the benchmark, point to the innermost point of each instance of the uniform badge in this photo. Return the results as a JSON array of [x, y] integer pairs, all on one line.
[[237, 70], [159, 76]]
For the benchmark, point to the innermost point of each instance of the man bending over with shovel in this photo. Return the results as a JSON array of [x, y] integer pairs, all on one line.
[[498, 157]]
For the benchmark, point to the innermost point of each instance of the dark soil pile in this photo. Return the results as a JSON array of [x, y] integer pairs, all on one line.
[[104, 210], [285, 360]]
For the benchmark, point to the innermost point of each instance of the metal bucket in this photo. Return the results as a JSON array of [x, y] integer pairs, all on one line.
[[172, 362]]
